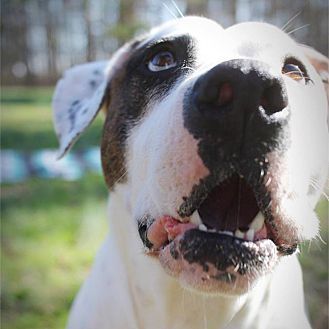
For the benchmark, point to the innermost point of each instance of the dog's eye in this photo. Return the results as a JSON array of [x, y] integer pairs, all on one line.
[[163, 60], [294, 72]]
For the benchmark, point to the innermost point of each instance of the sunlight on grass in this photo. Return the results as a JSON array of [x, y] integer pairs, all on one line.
[[49, 241]]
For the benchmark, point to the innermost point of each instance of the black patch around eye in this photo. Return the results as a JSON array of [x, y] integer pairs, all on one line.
[[133, 88], [144, 84]]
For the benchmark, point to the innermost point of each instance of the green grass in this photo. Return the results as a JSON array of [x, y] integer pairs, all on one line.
[[52, 229], [50, 233], [28, 125]]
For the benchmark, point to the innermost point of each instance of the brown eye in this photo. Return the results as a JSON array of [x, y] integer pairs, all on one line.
[[293, 71], [163, 60]]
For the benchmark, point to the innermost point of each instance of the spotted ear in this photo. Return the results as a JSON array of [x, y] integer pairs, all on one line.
[[79, 96], [319, 61]]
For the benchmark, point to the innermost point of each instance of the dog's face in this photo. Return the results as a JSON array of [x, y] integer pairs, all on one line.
[[220, 138]]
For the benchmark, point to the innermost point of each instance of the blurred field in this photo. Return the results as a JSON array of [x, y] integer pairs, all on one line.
[[52, 229]]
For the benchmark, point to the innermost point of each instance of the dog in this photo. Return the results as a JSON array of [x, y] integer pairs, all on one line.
[[215, 152]]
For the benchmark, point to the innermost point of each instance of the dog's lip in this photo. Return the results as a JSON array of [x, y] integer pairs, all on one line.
[[166, 229], [223, 249]]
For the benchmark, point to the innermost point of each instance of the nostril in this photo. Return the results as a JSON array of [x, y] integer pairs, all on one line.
[[273, 99], [225, 94]]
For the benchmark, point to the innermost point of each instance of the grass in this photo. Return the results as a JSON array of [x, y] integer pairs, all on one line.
[[52, 229], [28, 125], [50, 233]]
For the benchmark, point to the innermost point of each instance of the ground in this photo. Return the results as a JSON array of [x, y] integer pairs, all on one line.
[[51, 229]]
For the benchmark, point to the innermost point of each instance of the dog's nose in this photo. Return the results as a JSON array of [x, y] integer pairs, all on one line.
[[241, 86], [238, 108]]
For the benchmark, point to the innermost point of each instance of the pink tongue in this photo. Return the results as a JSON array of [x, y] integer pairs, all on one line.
[[166, 228]]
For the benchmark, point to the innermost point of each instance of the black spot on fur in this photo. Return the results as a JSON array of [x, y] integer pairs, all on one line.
[[173, 251], [143, 226], [73, 110], [93, 84]]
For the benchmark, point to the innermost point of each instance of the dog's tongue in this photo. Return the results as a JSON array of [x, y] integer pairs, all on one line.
[[229, 206], [166, 228]]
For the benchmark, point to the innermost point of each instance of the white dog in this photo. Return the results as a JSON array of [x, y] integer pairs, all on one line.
[[215, 150]]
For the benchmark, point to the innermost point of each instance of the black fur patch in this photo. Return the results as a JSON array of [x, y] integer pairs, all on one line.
[[221, 251], [143, 226], [133, 87]]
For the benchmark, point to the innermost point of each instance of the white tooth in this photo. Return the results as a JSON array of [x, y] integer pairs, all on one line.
[[239, 234], [250, 234], [257, 222], [203, 227], [195, 218], [226, 233]]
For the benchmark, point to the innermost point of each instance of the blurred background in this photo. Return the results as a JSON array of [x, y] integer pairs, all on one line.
[[54, 213]]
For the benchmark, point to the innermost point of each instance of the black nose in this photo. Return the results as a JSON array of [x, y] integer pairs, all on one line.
[[238, 105], [244, 85]]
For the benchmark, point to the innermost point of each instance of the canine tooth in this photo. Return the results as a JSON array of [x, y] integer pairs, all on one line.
[[195, 218], [268, 182], [257, 222], [250, 234], [239, 234], [203, 227], [226, 233]]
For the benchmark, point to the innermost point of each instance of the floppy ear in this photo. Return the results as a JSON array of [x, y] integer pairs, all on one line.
[[319, 61], [79, 96]]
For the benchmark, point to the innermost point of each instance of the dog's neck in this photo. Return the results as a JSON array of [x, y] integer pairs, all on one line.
[[157, 298]]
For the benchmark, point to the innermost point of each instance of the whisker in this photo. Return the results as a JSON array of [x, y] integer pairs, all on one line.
[[177, 8], [316, 186], [290, 20], [169, 10], [204, 313], [321, 239], [188, 68], [122, 176], [298, 28]]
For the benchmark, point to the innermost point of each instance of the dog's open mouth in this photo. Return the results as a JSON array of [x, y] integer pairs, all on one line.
[[229, 209], [227, 236]]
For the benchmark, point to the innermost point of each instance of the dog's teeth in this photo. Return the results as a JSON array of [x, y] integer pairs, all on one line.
[[226, 233], [250, 234], [257, 222], [203, 227], [268, 182], [239, 234], [195, 218]]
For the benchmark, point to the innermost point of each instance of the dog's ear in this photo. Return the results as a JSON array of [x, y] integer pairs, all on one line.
[[79, 96], [319, 61]]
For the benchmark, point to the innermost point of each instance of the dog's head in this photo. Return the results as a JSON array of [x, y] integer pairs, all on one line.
[[220, 137]]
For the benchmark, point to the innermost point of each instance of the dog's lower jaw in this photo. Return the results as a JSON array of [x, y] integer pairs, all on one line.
[[128, 289]]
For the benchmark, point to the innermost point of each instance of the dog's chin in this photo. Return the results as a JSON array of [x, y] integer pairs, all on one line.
[[227, 244], [215, 263]]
